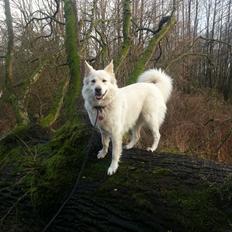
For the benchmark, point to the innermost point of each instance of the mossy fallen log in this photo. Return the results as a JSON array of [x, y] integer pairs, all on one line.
[[150, 192]]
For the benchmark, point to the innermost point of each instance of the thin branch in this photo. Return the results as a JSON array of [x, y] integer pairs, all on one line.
[[12, 207], [181, 56], [227, 136], [47, 16], [145, 29], [215, 40]]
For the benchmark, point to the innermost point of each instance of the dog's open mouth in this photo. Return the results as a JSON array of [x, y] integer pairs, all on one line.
[[99, 97]]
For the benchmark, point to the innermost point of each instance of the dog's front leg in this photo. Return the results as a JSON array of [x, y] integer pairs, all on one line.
[[105, 145], [116, 153]]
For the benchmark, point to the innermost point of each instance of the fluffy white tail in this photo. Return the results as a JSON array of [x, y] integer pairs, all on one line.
[[160, 79]]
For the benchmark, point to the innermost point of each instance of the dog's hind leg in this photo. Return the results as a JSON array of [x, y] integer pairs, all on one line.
[[116, 153], [105, 143], [156, 136], [135, 136], [154, 127]]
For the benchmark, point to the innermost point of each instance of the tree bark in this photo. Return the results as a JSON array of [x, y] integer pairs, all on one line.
[[150, 49], [150, 192], [54, 113], [20, 112], [72, 50], [126, 36], [10, 46]]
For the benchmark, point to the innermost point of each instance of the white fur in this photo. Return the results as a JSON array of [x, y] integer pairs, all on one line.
[[127, 108]]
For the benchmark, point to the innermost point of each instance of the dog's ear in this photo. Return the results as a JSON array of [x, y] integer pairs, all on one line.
[[88, 67], [110, 68]]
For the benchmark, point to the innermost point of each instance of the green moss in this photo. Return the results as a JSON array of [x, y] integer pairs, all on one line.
[[159, 172], [57, 105], [47, 170], [157, 192], [198, 209], [73, 59], [63, 158], [143, 202]]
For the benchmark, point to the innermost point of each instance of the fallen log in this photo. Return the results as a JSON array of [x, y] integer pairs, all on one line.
[[150, 192]]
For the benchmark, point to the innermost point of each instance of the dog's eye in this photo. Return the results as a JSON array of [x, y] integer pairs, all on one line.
[[103, 80], [93, 81]]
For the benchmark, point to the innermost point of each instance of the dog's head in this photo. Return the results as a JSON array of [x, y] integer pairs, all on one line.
[[98, 84]]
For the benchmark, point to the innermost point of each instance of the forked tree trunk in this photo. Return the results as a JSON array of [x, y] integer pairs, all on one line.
[[150, 49]]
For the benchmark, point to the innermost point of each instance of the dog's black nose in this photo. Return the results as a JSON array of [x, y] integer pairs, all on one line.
[[98, 91]]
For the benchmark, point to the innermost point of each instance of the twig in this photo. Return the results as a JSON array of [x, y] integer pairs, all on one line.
[[224, 140], [180, 56], [215, 40], [12, 207], [25, 144]]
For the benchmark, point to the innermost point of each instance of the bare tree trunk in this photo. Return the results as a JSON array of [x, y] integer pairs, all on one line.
[[126, 35], [20, 112], [10, 46], [196, 19], [211, 47], [207, 68], [189, 18]]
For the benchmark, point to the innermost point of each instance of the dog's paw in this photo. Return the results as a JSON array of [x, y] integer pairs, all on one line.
[[127, 146], [101, 154], [112, 169], [150, 149]]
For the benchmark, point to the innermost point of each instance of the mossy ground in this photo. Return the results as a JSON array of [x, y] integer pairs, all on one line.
[[46, 168]]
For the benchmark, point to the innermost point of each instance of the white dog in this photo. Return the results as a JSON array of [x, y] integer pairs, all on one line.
[[117, 110]]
